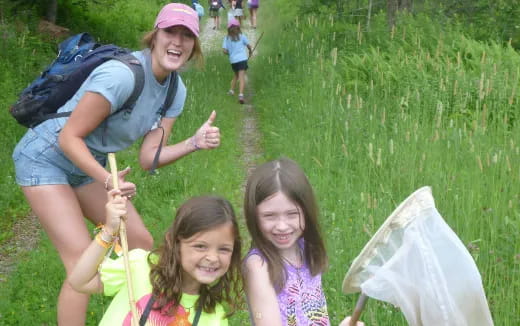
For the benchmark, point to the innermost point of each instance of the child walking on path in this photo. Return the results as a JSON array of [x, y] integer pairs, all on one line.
[[234, 45], [196, 269], [283, 269]]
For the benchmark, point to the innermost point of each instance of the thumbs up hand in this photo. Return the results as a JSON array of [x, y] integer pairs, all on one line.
[[208, 136]]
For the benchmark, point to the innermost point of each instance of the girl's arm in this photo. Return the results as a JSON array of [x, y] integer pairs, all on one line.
[[261, 295], [89, 113], [85, 277], [206, 137]]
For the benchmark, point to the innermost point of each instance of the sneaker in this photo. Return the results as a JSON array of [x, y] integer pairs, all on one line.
[[231, 92], [241, 99]]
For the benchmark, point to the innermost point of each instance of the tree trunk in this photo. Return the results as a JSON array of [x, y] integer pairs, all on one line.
[[405, 5], [52, 10], [369, 14], [391, 10]]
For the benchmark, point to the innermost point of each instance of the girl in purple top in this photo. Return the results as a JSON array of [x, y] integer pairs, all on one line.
[[282, 271]]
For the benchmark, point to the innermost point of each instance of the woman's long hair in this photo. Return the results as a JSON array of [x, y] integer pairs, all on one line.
[[285, 176], [196, 215]]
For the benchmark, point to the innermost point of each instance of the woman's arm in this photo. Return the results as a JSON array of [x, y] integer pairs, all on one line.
[[89, 113], [206, 137], [261, 295], [85, 277]]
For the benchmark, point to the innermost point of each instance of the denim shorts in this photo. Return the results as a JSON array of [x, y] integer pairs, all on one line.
[[39, 160]]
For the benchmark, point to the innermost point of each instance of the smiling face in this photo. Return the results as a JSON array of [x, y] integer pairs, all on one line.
[[281, 222], [172, 48], [206, 256]]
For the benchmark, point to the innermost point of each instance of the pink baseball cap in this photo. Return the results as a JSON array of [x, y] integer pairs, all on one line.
[[233, 22], [174, 14]]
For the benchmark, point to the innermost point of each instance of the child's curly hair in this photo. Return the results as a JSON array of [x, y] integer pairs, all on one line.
[[196, 215]]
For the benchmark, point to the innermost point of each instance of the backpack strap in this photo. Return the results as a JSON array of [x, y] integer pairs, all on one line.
[[131, 62], [197, 314], [137, 69], [170, 95], [146, 312]]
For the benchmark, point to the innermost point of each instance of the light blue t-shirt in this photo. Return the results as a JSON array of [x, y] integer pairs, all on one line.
[[115, 82], [236, 49]]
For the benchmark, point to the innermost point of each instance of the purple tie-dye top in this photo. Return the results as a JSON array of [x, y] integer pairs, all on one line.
[[301, 301]]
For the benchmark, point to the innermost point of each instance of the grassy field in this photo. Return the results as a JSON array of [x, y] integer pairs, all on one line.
[[373, 116], [370, 115]]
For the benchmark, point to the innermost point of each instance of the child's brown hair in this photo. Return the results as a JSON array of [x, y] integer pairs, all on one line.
[[285, 176], [196, 215]]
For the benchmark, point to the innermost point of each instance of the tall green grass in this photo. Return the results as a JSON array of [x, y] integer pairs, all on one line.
[[372, 116]]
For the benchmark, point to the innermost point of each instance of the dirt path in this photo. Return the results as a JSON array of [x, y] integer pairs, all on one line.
[[211, 40], [26, 237]]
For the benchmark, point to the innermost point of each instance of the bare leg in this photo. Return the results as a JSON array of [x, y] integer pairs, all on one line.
[[253, 17], [234, 81], [61, 211], [92, 198], [241, 81], [60, 215]]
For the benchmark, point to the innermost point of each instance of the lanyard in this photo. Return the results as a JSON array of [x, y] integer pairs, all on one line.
[[148, 309]]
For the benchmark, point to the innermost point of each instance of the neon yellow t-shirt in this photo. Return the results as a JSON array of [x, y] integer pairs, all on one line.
[[113, 276]]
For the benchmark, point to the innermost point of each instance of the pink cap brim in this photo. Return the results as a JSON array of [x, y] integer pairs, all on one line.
[[178, 22], [178, 14]]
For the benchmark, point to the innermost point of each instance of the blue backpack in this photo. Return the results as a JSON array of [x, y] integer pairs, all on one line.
[[78, 56]]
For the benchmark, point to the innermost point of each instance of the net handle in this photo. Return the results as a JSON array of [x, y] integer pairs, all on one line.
[[360, 305]]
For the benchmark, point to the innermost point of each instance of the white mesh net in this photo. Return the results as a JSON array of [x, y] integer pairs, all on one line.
[[417, 263]]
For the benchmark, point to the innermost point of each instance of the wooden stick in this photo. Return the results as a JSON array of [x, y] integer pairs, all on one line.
[[124, 242], [256, 44], [360, 305]]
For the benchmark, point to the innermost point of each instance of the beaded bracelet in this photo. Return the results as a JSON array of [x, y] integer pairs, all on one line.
[[102, 242], [105, 236]]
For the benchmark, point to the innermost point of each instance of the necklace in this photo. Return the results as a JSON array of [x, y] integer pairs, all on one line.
[[300, 264]]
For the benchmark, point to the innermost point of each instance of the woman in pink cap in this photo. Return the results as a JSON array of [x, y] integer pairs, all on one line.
[[60, 164]]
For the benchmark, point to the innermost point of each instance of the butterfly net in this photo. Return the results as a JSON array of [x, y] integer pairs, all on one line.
[[417, 263]]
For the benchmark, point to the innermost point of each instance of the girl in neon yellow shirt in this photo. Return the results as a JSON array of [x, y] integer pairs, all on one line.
[[183, 282]]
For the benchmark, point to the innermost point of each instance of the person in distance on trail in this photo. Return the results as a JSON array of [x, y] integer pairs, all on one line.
[[234, 45], [253, 6], [214, 11], [198, 8], [60, 164], [238, 10], [282, 271], [195, 271]]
